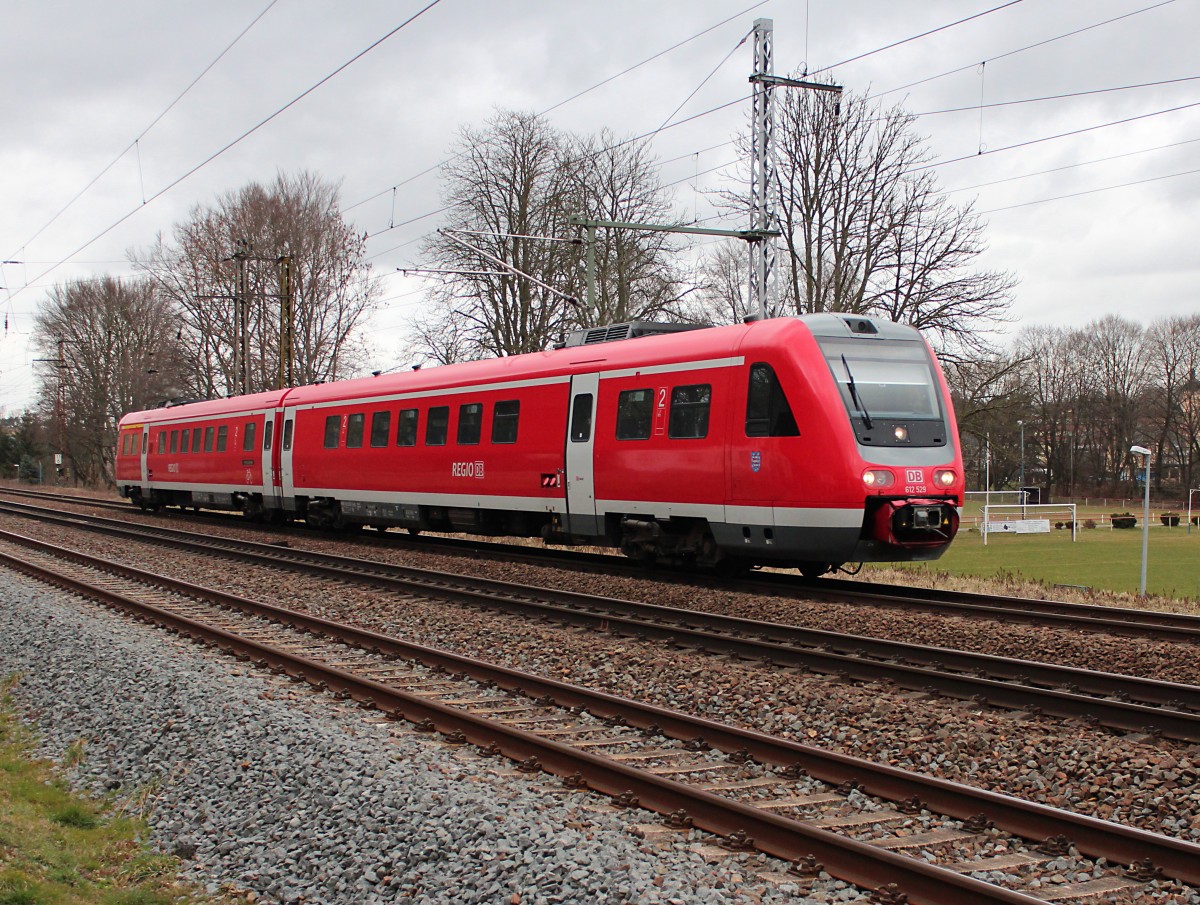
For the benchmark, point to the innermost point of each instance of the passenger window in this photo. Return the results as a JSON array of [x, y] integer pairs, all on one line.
[[689, 412], [504, 421], [767, 411], [251, 428], [381, 428], [406, 431], [333, 430], [222, 437], [175, 441], [287, 434], [183, 445], [354, 431], [438, 426], [162, 442], [268, 430], [581, 418], [470, 423], [208, 439], [137, 444], [125, 445], [196, 438], [634, 410]]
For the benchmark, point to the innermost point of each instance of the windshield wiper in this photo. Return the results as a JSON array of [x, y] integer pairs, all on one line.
[[854, 395]]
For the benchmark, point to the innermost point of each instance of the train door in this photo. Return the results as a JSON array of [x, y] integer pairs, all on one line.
[[579, 472], [271, 489], [286, 476], [145, 453]]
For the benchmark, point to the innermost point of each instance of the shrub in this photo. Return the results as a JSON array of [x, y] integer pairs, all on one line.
[[1124, 520], [1058, 525], [1170, 519], [1089, 523]]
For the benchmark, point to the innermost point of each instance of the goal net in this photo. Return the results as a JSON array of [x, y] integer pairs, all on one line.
[[1028, 518]]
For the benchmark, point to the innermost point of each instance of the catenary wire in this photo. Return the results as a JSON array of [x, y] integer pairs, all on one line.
[[146, 130], [242, 137]]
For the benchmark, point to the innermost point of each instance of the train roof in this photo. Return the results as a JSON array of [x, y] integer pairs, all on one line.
[[620, 354]]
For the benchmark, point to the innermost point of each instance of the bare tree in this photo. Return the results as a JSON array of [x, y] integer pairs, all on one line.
[[333, 287], [109, 347], [507, 190], [636, 278], [723, 295], [865, 229], [1173, 348], [512, 188]]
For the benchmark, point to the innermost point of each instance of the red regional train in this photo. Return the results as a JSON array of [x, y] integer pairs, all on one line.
[[805, 442]]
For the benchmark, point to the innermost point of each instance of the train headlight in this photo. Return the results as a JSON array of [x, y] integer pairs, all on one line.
[[900, 432], [944, 477], [878, 478]]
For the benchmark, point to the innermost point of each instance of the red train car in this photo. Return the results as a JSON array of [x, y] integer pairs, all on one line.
[[807, 442]]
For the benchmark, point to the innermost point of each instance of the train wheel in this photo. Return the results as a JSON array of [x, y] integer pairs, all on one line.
[[815, 569]]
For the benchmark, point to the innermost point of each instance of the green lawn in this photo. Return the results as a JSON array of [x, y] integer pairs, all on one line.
[[1102, 558]]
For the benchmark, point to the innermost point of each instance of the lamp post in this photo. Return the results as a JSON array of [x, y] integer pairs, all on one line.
[[1142, 451], [1021, 480]]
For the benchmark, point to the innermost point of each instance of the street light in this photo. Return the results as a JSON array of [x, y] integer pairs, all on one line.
[[1142, 451]]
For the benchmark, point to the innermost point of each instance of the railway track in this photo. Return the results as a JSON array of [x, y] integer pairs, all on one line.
[[1118, 702], [862, 822], [1120, 621]]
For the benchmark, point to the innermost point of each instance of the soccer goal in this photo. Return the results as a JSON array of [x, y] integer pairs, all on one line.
[[1028, 518]]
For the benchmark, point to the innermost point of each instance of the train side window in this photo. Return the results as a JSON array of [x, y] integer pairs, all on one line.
[[287, 434], [183, 441], [406, 430], [197, 436], [634, 414], [470, 423], [438, 426], [174, 441], [125, 445], [137, 444], [581, 418], [689, 412], [222, 437], [162, 442], [333, 429], [248, 436], [767, 411], [354, 430], [381, 428], [504, 421], [208, 439], [268, 430]]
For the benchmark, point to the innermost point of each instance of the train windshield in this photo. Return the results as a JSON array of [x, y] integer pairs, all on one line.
[[890, 379]]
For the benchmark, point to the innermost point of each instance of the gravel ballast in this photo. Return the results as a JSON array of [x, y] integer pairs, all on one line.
[[262, 786]]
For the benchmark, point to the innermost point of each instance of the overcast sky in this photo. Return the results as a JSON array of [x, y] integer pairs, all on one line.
[[1102, 221]]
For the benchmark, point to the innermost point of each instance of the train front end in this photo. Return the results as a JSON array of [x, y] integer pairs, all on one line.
[[906, 446]]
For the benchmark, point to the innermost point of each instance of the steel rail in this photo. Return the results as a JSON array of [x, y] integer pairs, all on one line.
[[1156, 706], [1122, 621], [1029, 820]]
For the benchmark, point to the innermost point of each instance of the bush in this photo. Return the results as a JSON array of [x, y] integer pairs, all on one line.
[[1170, 519], [1058, 525], [1089, 523], [1124, 520]]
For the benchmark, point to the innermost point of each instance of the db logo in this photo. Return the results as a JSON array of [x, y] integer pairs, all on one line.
[[913, 475]]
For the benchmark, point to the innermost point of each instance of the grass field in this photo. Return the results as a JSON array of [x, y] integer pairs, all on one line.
[[1101, 559]]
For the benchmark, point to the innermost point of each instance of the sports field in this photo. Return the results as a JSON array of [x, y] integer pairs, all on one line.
[[1101, 559]]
